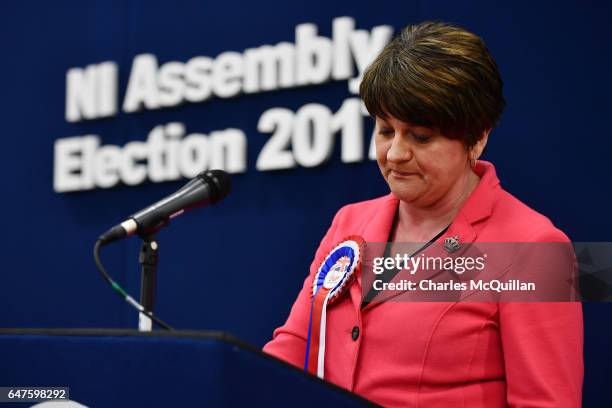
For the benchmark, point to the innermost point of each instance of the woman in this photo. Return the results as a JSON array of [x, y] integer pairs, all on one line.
[[436, 93]]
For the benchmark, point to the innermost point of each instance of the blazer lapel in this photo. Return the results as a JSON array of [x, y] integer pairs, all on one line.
[[377, 230], [461, 229]]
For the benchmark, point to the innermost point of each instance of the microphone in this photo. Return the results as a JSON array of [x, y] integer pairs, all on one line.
[[206, 188]]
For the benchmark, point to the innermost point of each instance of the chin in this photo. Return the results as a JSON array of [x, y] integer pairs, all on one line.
[[405, 191], [405, 196]]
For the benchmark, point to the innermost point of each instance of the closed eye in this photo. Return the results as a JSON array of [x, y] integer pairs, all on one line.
[[386, 132], [421, 138]]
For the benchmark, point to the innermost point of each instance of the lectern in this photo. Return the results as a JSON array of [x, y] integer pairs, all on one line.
[[126, 368]]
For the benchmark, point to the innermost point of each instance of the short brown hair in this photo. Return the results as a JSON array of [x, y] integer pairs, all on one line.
[[436, 75]]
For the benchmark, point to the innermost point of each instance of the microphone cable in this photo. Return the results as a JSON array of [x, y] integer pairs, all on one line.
[[122, 293]]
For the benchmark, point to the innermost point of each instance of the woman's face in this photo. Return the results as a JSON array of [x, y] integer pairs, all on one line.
[[421, 166]]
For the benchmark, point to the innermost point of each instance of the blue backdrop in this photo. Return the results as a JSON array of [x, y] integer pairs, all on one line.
[[238, 266]]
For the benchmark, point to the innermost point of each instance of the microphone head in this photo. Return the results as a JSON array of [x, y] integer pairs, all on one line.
[[219, 181]]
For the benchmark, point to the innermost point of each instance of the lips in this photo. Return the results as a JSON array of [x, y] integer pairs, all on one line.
[[402, 174]]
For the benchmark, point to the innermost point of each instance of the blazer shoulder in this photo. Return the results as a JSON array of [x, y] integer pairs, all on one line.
[[371, 205], [526, 224], [356, 216], [364, 208]]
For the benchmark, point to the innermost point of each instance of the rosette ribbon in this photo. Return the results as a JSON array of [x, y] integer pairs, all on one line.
[[332, 279]]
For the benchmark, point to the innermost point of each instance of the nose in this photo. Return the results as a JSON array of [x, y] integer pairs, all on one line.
[[400, 150]]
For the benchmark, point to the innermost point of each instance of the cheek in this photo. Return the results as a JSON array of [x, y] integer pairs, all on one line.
[[442, 163], [444, 167], [382, 147]]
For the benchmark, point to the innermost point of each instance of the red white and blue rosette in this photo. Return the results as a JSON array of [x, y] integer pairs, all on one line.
[[332, 279]]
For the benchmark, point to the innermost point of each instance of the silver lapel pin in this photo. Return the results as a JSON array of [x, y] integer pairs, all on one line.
[[451, 244]]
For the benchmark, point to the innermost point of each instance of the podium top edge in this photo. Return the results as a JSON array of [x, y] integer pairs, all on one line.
[[103, 332]]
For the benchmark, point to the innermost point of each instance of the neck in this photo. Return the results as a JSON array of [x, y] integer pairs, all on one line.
[[421, 223]]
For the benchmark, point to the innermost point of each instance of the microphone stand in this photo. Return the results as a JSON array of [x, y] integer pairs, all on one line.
[[148, 262]]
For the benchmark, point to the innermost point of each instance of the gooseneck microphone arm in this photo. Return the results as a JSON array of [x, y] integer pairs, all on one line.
[[206, 188]]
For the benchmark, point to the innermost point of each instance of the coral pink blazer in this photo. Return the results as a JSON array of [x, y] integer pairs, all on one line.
[[451, 354]]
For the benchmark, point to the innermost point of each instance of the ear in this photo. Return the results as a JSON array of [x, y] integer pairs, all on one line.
[[478, 148]]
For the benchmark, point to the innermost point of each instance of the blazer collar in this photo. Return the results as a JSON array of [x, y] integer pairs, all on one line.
[[479, 204], [477, 207]]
